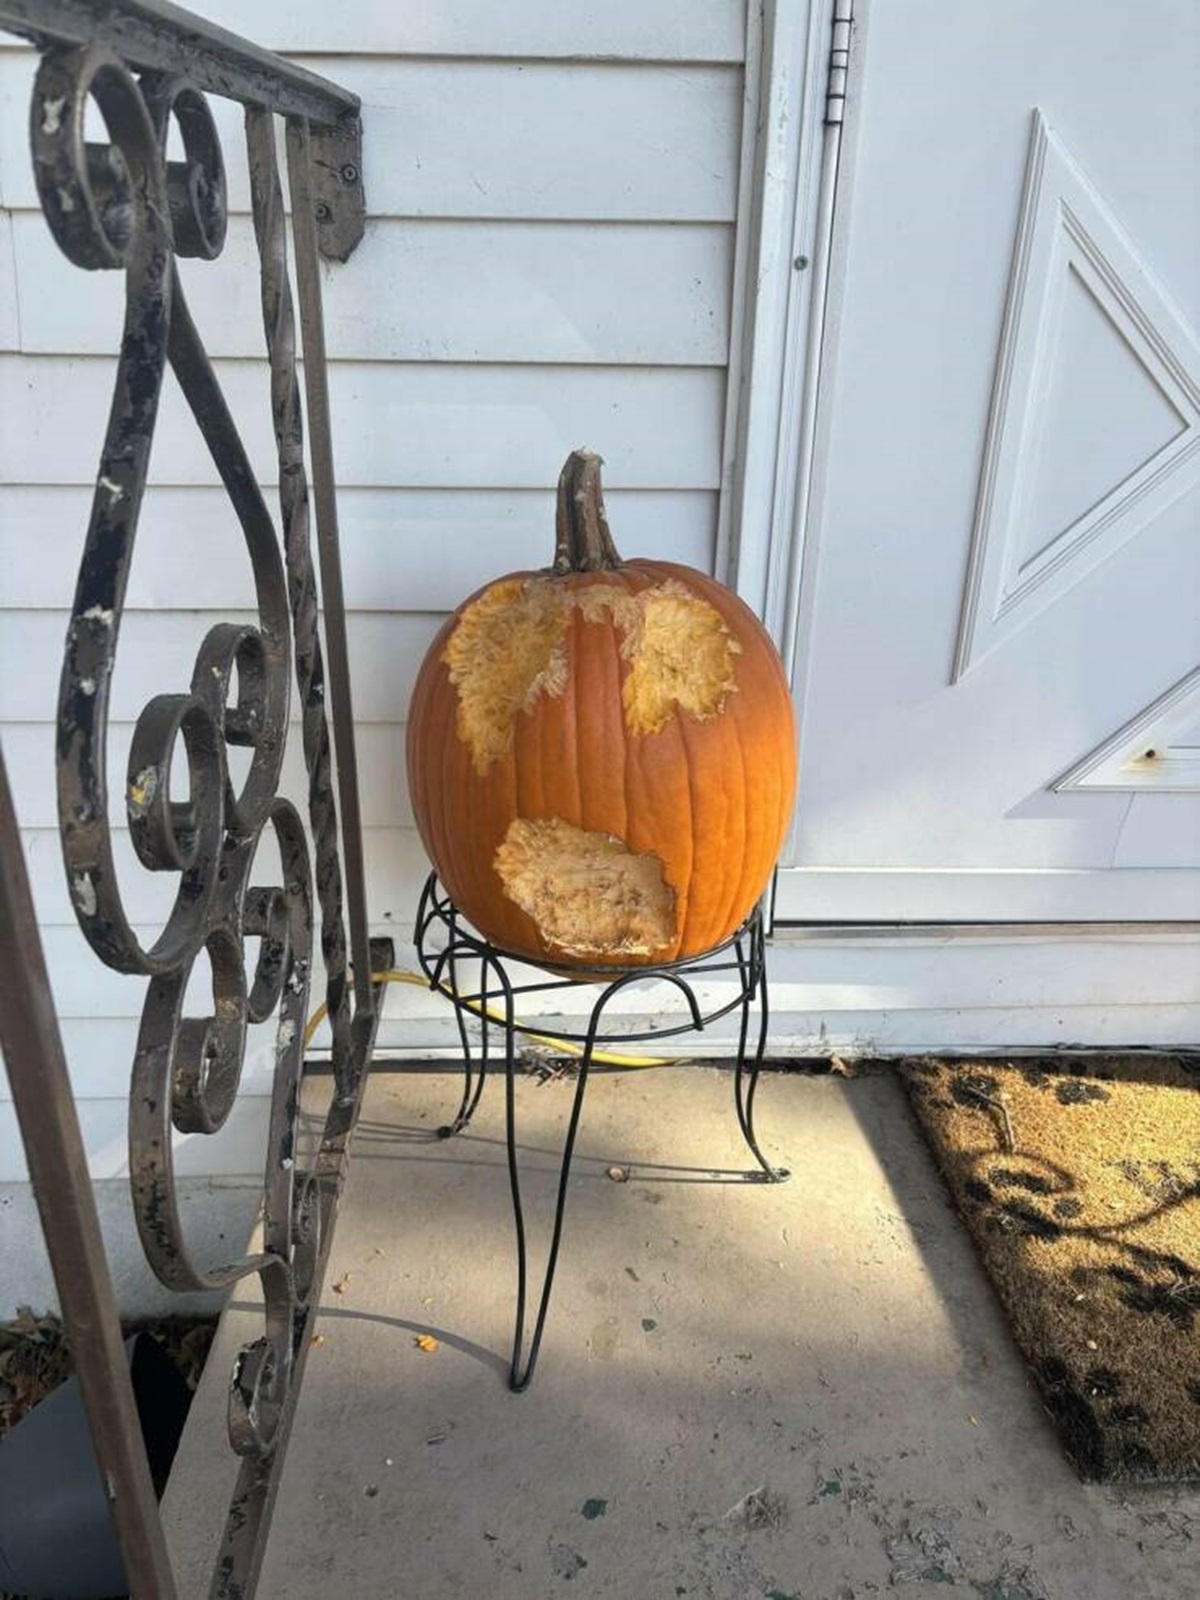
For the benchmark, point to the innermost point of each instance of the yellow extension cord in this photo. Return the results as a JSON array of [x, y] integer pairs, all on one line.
[[562, 1046]]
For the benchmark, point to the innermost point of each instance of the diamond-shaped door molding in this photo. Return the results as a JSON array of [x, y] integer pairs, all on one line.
[[1157, 750], [1094, 425]]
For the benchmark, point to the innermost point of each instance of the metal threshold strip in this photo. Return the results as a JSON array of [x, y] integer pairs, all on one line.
[[801, 932]]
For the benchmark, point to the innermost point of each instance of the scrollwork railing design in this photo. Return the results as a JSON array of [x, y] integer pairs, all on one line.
[[124, 205]]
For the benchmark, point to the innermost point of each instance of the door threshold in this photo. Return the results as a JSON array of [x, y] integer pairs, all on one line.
[[800, 932]]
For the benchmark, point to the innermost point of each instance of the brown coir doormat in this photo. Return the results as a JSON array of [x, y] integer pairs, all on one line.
[[1080, 1183]]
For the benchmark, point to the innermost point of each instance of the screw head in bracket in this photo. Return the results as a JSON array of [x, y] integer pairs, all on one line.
[[322, 212], [349, 172]]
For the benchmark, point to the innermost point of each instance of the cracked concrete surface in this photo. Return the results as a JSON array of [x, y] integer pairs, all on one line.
[[800, 1393]]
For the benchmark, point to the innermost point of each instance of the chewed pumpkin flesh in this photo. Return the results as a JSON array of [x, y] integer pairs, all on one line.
[[602, 762]]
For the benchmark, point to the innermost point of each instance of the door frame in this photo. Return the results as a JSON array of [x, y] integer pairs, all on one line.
[[785, 283], [789, 277]]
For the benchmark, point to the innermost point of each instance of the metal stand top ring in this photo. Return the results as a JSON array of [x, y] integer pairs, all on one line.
[[443, 939]]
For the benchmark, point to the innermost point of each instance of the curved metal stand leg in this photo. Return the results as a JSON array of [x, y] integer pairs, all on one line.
[[520, 1375], [745, 1077], [472, 1085]]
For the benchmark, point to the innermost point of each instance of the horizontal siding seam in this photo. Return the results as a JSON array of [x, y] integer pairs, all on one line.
[[180, 485], [16, 49], [478, 219], [485, 363]]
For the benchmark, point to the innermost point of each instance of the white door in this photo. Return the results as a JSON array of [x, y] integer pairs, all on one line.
[[998, 666]]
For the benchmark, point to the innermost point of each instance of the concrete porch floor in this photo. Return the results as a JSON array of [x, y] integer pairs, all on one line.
[[829, 1347]]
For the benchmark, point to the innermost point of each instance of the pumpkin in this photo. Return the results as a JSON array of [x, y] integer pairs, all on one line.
[[602, 756]]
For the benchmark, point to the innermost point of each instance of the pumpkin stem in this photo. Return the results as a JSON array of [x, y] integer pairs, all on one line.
[[584, 543]]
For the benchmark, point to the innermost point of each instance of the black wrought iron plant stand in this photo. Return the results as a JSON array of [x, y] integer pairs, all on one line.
[[473, 974]]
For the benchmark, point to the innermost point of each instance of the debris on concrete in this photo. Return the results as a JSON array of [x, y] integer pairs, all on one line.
[[565, 1562], [923, 1552], [761, 1508], [1010, 1583]]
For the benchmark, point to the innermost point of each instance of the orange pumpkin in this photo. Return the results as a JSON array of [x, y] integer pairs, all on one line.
[[602, 756]]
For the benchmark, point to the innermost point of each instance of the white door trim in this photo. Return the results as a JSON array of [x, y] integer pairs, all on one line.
[[880, 896], [787, 296], [785, 227]]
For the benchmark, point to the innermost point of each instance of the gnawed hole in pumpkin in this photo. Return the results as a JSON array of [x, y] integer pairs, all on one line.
[[506, 649], [680, 654], [588, 894]]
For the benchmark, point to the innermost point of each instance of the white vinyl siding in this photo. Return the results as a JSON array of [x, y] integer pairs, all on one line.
[[652, 30], [552, 192]]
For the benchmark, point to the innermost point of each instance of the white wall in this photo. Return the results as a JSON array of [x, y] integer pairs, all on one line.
[[552, 188]]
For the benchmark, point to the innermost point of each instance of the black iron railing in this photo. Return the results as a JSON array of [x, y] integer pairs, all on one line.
[[124, 205]]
